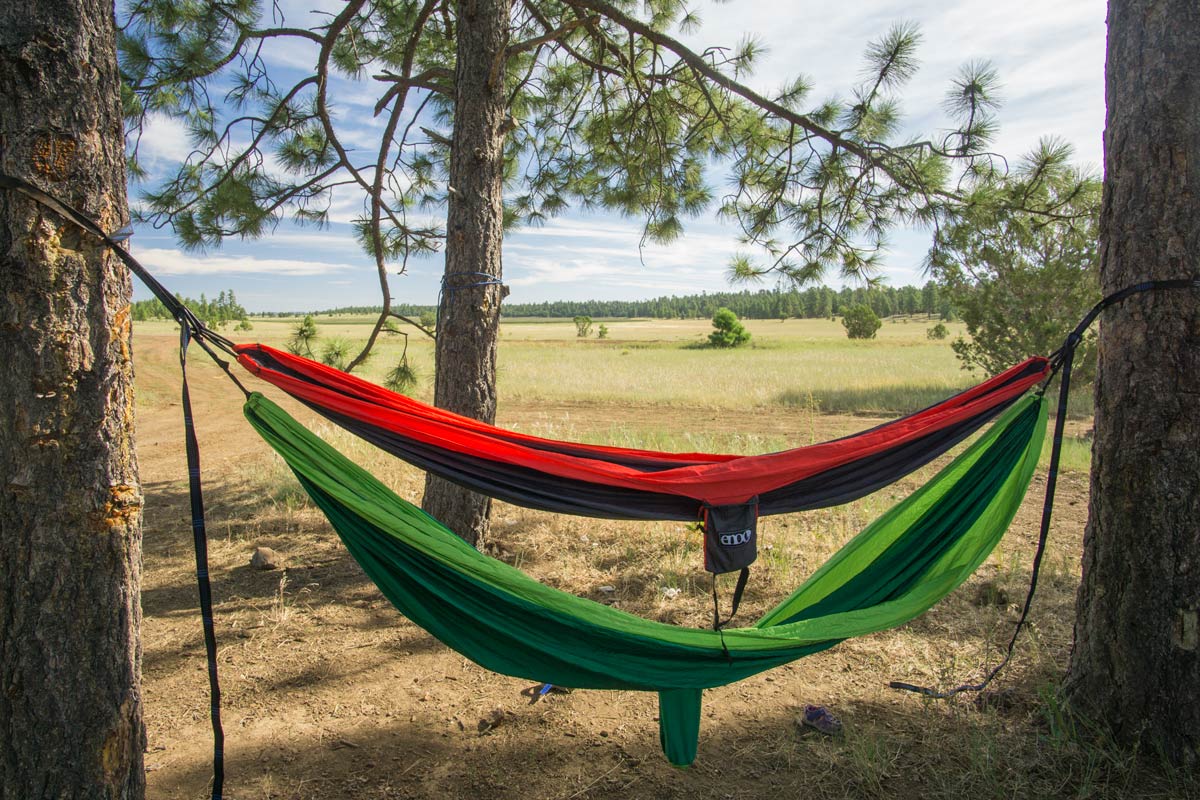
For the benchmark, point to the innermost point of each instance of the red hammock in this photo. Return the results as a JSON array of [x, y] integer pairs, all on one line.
[[607, 481]]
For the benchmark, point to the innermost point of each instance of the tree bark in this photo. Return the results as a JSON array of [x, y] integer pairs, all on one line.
[[1136, 663], [70, 505], [469, 312]]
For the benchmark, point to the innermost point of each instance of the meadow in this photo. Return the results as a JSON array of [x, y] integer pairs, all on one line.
[[330, 693], [797, 362]]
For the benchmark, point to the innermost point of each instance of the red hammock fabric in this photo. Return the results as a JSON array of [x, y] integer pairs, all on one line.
[[711, 478]]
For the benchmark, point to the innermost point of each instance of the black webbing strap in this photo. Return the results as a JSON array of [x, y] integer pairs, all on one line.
[[202, 334], [1121, 294], [190, 327], [738, 591], [1063, 360], [200, 540]]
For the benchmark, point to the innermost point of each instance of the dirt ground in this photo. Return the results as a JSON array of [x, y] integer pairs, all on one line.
[[328, 692]]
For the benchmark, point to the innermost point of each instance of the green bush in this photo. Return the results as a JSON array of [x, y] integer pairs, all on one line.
[[1020, 281], [303, 336], [861, 322], [728, 331], [336, 353], [938, 332]]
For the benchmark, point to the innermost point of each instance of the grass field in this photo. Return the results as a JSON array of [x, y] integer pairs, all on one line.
[[331, 694], [798, 362]]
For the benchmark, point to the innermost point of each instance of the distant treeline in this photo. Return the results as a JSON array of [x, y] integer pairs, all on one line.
[[211, 312], [818, 301]]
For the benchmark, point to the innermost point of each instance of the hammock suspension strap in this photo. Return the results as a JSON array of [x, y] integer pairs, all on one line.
[[738, 591], [200, 543], [452, 282], [1063, 360]]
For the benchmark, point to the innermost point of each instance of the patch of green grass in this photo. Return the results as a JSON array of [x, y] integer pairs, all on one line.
[[887, 399], [806, 363], [1076, 453], [1081, 402], [711, 378], [677, 442]]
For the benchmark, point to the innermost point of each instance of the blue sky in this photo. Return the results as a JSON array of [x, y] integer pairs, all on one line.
[[1050, 57]]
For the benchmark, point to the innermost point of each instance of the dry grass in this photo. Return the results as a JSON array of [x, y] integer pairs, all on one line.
[[649, 361], [330, 693]]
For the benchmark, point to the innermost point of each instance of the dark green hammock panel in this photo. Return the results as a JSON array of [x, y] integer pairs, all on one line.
[[504, 620]]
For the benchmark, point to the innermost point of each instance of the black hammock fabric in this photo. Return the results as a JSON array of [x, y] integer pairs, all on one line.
[[622, 483]]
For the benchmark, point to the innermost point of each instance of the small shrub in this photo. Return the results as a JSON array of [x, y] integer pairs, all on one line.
[[729, 332], [583, 327], [336, 353], [938, 332], [861, 322], [244, 325], [303, 336], [602, 332]]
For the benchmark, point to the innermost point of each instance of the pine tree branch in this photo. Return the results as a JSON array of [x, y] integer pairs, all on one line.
[[555, 35], [422, 80], [415, 324], [401, 96], [779, 111], [334, 30], [596, 66], [231, 169]]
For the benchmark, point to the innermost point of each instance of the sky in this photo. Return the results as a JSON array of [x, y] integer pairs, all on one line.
[[1050, 58]]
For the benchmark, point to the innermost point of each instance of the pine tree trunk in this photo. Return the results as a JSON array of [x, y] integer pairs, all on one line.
[[70, 505], [469, 315], [1136, 664]]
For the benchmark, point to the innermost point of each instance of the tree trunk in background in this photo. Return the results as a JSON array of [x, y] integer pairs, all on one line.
[[1135, 668], [469, 315], [70, 506]]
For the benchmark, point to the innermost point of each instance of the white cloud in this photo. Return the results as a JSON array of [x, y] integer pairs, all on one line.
[[350, 204], [163, 143], [577, 228], [547, 277], [593, 257], [176, 262], [332, 239]]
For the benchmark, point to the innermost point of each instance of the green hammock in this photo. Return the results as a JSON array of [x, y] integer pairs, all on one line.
[[506, 621]]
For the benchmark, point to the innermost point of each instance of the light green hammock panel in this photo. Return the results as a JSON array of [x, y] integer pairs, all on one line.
[[506, 621]]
